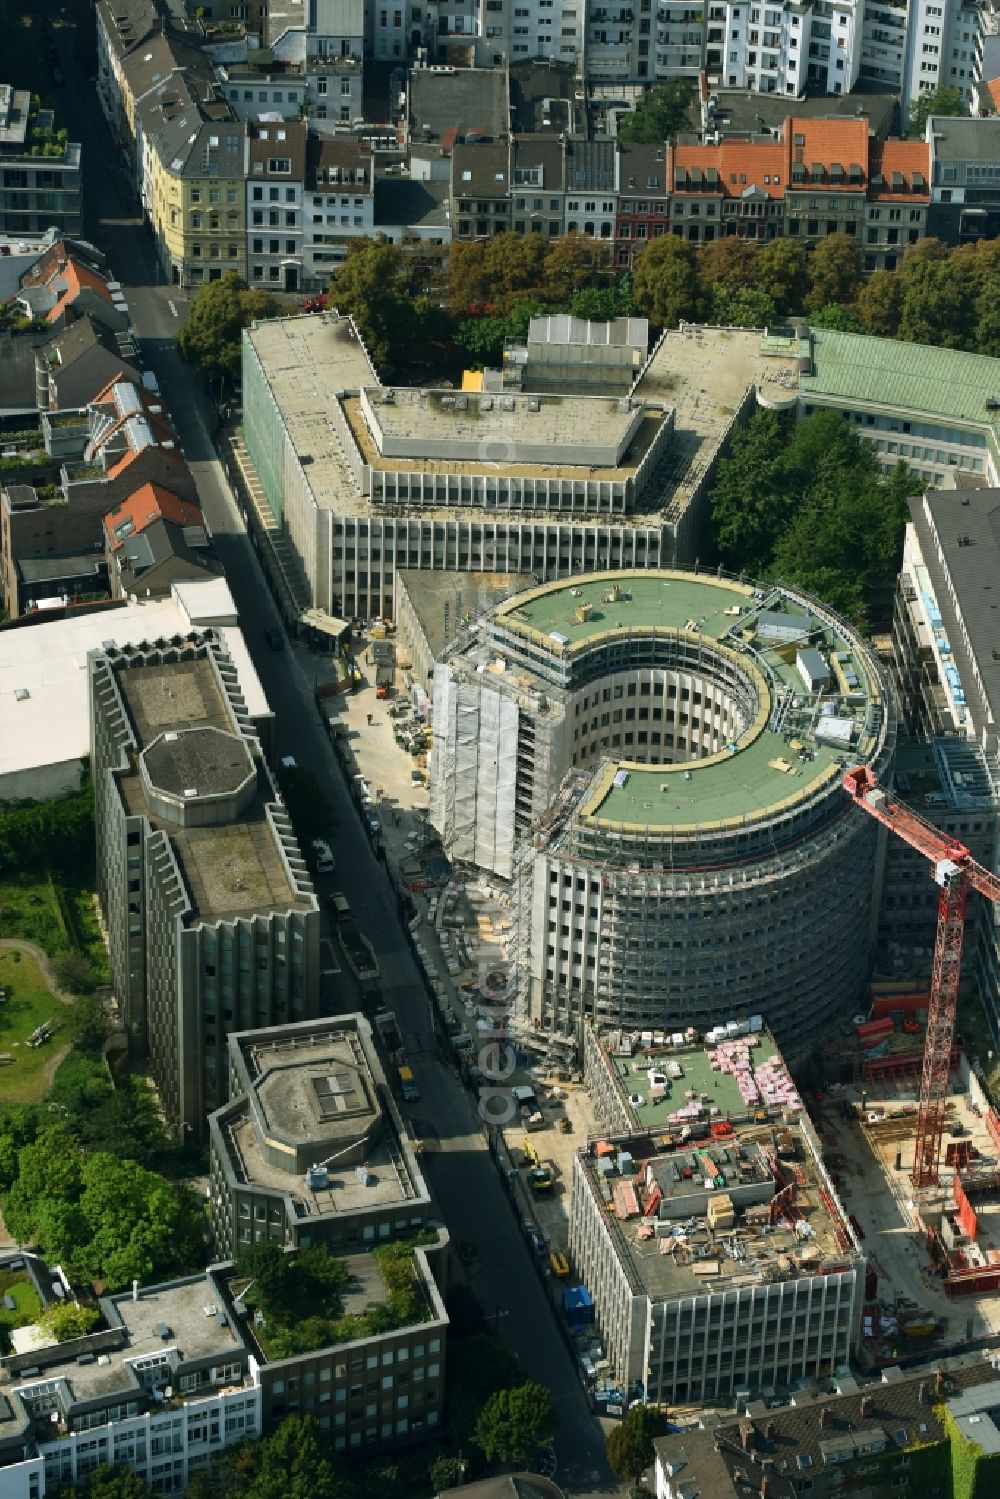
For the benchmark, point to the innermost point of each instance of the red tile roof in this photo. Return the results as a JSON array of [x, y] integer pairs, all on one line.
[[994, 91], [149, 503], [904, 157], [739, 164]]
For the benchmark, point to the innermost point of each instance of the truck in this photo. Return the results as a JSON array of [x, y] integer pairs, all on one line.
[[408, 1085], [359, 954], [388, 1031]]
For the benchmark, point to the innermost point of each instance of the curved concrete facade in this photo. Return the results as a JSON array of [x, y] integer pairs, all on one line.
[[654, 760]]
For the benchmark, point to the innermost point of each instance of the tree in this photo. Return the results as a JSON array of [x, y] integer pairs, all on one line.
[[939, 305], [879, 303], [659, 114], [74, 972], [106, 1482], [944, 100], [748, 504], [66, 1320], [840, 319], [293, 1463], [211, 336], [729, 262], [478, 1366], [602, 303], [834, 271], [514, 1425], [748, 307], [666, 281], [373, 286], [781, 273], [87, 1023], [630, 1443], [572, 262], [446, 1471], [987, 331]]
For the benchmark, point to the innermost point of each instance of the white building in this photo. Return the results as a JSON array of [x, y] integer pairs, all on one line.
[[44, 710]]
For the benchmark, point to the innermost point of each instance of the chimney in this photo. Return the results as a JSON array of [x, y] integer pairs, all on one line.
[[824, 1415], [922, 1392], [746, 1435], [769, 1431], [135, 1290], [939, 1382], [866, 1406]]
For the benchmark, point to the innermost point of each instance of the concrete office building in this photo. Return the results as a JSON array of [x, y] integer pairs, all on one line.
[[717, 1266], [653, 759], [945, 660], [211, 917], [363, 479], [310, 1148]]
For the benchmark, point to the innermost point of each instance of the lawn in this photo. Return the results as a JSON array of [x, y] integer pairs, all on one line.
[[55, 914], [16, 1285], [30, 1005]]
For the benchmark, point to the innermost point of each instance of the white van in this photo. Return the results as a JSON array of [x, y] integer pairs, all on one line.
[[323, 855]]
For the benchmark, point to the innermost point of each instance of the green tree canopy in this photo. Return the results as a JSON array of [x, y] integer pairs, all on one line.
[[659, 114], [840, 319], [65, 1320], [939, 304], [879, 303], [749, 307], [630, 1443], [515, 1424], [780, 271], [812, 508], [944, 100], [665, 282], [729, 262], [211, 335], [111, 1483], [834, 271]]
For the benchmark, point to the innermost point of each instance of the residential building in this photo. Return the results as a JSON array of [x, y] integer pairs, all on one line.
[[338, 204], [80, 362], [310, 1148], [34, 582], [895, 1434], [480, 189], [69, 280], [212, 921], [644, 201], [45, 722], [762, 1281], [199, 191], [737, 187], [965, 178], [591, 175], [165, 1385], [274, 202], [898, 202], [122, 27], [827, 178], [445, 107], [539, 184], [39, 169], [154, 540]]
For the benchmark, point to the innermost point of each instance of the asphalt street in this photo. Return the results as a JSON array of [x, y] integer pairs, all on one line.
[[462, 1176]]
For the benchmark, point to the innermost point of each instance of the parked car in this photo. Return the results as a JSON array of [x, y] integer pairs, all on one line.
[[323, 855], [274, 638]]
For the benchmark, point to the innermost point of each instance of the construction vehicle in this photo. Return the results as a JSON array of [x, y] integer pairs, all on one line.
[[408, 1085], [955, 872], [541, 1177], [559, 1264], [530, 1153]]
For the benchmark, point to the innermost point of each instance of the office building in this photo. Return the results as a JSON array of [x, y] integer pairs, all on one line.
[[653, 760], [708, 1231], [39, 168], [211, 918], [310, 1148]]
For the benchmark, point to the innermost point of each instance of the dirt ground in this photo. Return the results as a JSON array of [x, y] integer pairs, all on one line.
[[862, 1153]]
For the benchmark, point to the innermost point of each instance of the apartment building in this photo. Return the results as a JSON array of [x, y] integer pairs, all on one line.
[[644, 201], [310, 1148], [815, 178], [275, 188], [895, 1434], [39, 169], [964, 178], [746, 1301], [539, 183], [591, 174], [211, 918], [123, 26], [154, 540], [480, 189], [80, 361]]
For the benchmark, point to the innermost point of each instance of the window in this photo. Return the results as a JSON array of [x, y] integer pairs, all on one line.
[[279, 164]]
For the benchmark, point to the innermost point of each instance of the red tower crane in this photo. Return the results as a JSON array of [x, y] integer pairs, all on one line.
[[955, 871]]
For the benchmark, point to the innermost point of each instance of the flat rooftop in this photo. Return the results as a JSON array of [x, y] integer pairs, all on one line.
[[182, 1307], [717, 1090], [500, 427], [230, 869], [704, 374], [493, 459], [48, 661], [319, 1090], [765, 769], [430, 592], [457, 102]]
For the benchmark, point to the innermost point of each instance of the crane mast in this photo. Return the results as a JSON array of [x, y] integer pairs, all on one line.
[[955, 872]]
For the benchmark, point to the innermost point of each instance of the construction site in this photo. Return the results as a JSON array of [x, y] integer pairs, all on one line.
[[653, 761]]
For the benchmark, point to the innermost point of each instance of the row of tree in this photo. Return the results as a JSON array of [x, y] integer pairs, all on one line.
[[51, 835], [811, 507]]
